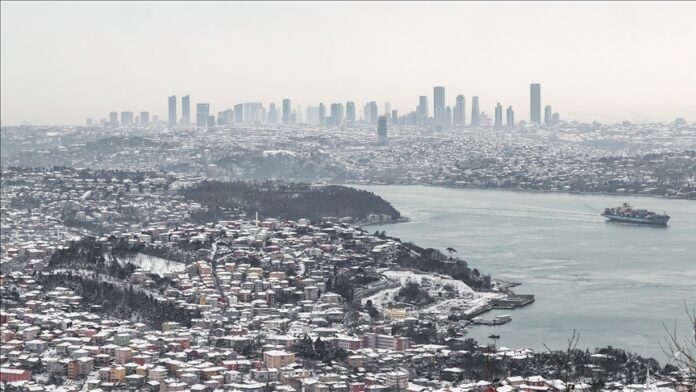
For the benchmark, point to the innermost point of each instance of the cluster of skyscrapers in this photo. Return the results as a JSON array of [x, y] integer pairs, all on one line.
[[338, 114]]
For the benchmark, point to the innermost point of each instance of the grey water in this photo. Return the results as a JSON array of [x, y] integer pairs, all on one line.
[[615, 284]]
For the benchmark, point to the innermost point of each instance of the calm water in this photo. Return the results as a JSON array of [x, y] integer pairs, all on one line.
[[614, 283]]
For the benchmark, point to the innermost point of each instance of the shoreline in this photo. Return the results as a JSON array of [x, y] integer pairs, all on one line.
[[543, 191], [362, 224]]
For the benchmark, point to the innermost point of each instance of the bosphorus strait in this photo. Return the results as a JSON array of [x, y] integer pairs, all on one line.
[[614, 283]]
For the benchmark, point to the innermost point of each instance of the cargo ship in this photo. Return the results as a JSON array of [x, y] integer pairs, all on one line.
[[628, 214]]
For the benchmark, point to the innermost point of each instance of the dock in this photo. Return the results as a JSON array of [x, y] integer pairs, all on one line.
[[513, 301]]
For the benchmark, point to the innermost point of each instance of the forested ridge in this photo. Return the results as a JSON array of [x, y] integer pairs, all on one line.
[[286, 200]]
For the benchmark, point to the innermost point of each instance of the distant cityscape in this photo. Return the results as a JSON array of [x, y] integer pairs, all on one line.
[[442, 116], [348, 196]]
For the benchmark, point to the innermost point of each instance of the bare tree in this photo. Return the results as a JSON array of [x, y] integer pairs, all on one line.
[[682, 349], [565, 361]]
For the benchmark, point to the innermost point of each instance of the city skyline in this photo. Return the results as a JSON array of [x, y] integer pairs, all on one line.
[[607, 62], [246, 112]]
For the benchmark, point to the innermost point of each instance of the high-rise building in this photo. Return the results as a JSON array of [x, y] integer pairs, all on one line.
[[459, 114], [422, 110], [239, 113], [448, 117], [475, 112], [172, 111], [322, 114], [272, 114], [555, 119], [498, 116], [535, 103], [373, 112], [113, 119], [145, 118], [126, 118], [202, 114], [287, 111], [439, 105], [186, 110], [336, 114], [484, 120], [299, 117], [382, 128], [387, 111], [312, 115], [548, 113], [350, 111], [510, 117], [226, 117], [89, 122], [253, 111], [211, 121], [395, 116]]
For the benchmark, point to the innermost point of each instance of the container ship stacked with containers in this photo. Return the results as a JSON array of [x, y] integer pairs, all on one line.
[[628, 214]]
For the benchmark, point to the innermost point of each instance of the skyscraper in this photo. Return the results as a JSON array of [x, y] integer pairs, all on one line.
[[299, 117], [253, 111], [185, 110], [126, 118], [336, 114], [226, 117], [272, 113], [459, 111], [395, 116], [144, 118], [510, 117], [172, 111], [535, 103], [113, 119], [448, 117], [475, 112], [312, 115], [439, 105], [202, 114], [498, 116], [422, 110], [387, 111], [287, 111], [547, 115], [239, 113], [350, 111], [322, 114], [374, 112], [382, 129]]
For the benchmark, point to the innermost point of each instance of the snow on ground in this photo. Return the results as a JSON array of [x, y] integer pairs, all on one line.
[[156, 265], [464, 297]]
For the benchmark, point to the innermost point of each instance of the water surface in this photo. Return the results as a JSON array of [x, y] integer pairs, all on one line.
[[615, 283]]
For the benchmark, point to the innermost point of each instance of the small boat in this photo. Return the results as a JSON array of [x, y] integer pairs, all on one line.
[[494, 337]]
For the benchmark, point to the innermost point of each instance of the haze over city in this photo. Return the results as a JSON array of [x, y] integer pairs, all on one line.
[[64, 62], [348, 196]]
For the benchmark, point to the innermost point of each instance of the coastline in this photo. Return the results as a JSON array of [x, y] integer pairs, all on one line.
[[362, 224], [546, 191]]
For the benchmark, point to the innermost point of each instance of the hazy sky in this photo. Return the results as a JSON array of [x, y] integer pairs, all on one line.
[[63, 62]]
